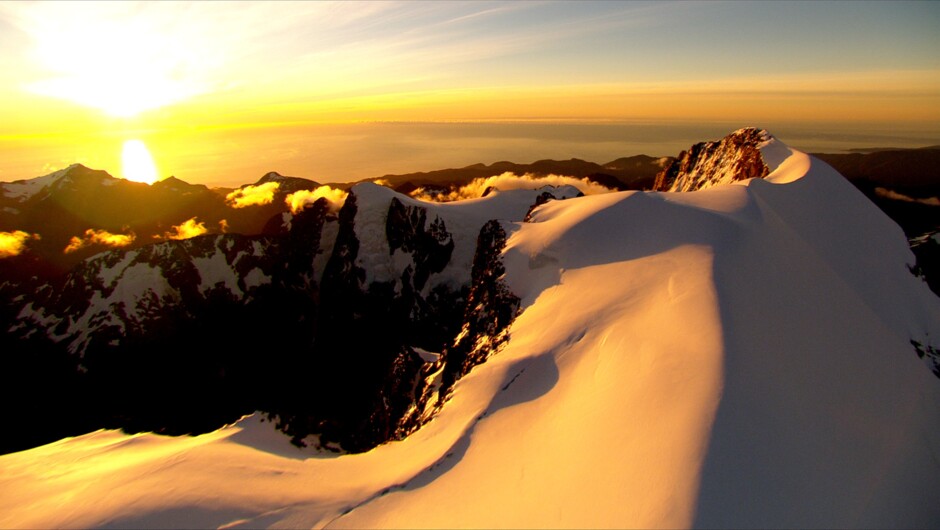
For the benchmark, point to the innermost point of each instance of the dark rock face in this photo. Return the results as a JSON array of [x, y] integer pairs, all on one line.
[[120, 294], [364, 361], [543, 198], [914, 172], [490, 308], [431, 247], [926, 250], [929, 354], [735, 157], [153, 339], [184, 336]]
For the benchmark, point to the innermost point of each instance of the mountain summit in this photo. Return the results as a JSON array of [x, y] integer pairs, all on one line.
[[744, 154]]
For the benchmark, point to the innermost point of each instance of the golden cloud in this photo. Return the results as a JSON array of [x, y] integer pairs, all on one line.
[[185, 230], [298, 199], [510, 181], [13, 243], [252, 195], [99, 237]]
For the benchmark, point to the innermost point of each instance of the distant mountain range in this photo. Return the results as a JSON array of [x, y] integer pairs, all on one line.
[[109, 267], [628, 173], [911, 171], [67, 203]]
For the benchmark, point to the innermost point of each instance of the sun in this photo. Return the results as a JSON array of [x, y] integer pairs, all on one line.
[[121, 58], [137, 164]]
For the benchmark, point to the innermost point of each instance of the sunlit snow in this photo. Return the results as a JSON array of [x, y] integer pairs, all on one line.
[[732, 357]]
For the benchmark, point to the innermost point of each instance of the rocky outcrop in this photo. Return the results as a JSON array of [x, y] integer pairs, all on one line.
[[929, 354], [491, 308], [543, 198], [733, 158], [430, 246], [120, 294], [342, 352], [926, 249]]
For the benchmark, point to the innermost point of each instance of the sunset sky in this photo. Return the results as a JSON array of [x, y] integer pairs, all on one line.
[[221, 92]]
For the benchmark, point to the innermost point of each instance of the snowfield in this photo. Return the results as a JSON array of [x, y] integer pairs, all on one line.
[[737, 356]]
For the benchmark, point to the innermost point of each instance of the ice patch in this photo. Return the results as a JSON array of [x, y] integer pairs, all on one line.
[[215, 270], [255, 278], [427, 356], [108, 275]]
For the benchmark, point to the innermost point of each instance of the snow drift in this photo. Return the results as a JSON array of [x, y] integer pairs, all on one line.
[[735, 356]]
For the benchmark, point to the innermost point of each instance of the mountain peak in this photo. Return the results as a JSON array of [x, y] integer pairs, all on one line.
[[744, 154], [286, 184], [79, 175], [77, 166], [177, 184], [73, 170], [272, 176], [172, 180]]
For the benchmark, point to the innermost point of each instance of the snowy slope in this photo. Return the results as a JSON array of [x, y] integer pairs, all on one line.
[[23, 190], [722, 367], [121, 293], [75, 174], [737, 356], [462, 220]]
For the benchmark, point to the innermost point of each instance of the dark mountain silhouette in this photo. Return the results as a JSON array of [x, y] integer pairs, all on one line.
[[911, 171], [67, 203], [635, 172]]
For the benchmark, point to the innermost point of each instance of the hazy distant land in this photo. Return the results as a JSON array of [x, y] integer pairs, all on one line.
[[351, 152]]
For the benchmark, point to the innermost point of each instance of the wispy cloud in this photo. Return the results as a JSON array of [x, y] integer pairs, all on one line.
[[174, 51], [128, 57], [510, 181], [99, 237], [253, 195], [891, 194], [14, 243], [339, 61]]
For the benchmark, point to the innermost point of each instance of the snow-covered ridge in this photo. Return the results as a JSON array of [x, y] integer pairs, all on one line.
[[737, 356], [461, 220], [23, 190]]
